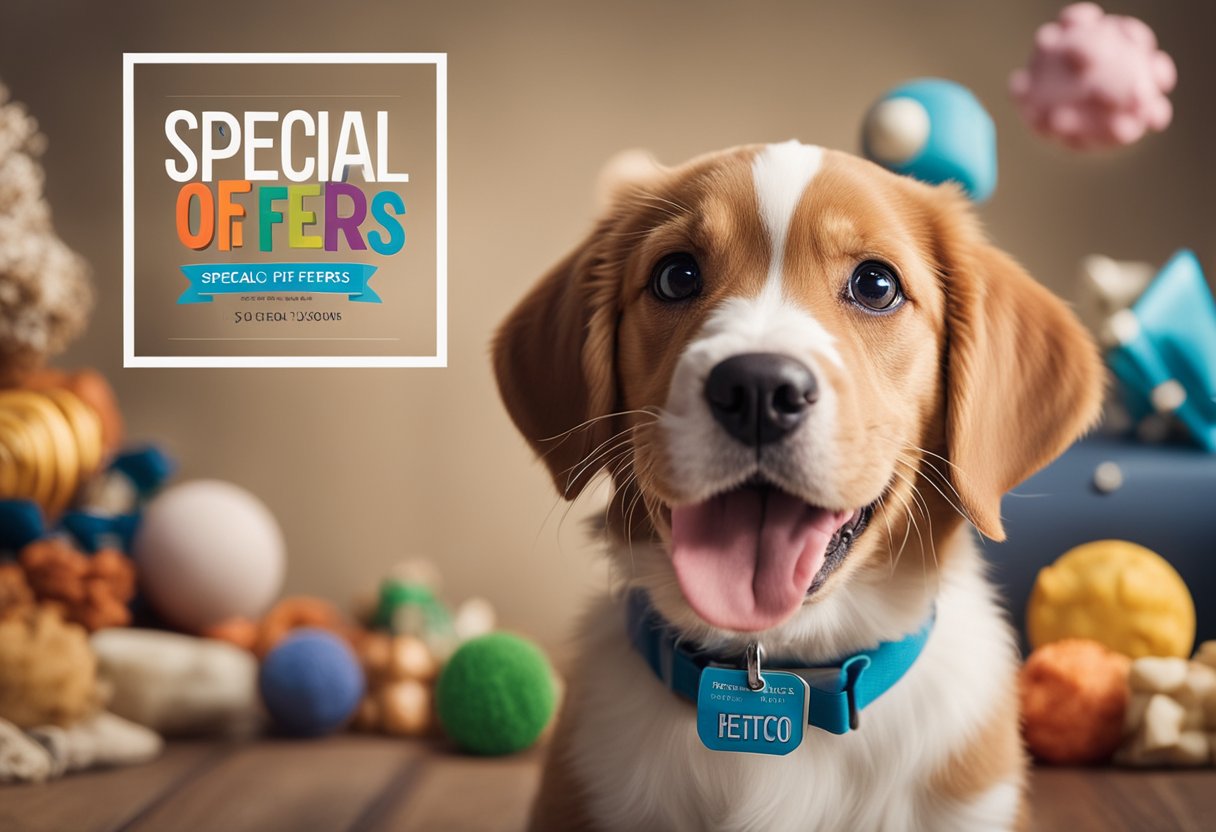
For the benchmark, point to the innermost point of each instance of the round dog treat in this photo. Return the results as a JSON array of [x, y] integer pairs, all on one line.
[[496, 694], [208, 551], [374, 648], [1074, 694], [410, 658], [311, 683], [405, 708], [1115, 592]]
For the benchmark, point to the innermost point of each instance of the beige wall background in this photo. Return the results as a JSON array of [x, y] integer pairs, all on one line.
[[364, 467]]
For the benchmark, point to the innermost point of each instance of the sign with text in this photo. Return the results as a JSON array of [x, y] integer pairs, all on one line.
[[285, 210]]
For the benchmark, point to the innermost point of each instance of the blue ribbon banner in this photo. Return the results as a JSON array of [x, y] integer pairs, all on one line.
[[210, 279]]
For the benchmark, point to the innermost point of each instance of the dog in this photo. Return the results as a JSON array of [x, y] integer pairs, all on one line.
[[806, 378]]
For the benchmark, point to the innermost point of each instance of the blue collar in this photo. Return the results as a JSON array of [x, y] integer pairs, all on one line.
[[838, 692]]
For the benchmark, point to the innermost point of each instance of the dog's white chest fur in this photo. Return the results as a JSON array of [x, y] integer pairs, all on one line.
[[634, 745]]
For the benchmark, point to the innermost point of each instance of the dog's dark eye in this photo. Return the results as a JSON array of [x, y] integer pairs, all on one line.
[[875, 287], [676, 277]]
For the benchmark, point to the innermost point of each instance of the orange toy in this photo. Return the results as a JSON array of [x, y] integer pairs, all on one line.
[[91, 591], [287, 615], [1074, 696]]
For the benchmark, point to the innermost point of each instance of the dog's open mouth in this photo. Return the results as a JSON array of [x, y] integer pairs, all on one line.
[[747, 559]]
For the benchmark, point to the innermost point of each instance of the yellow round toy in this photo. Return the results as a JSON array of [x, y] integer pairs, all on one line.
[[1115, 592]]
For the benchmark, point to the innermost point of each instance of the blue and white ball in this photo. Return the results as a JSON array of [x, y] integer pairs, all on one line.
[[936, 131]]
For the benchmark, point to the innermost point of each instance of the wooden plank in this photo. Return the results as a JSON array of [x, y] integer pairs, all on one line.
[[1190, 796], [103, 800], [372, 784], [276, 784], [1064, 799], [459, 793], [1079, 800]]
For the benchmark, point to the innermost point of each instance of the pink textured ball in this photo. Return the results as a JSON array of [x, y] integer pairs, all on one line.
[[1095, 80]]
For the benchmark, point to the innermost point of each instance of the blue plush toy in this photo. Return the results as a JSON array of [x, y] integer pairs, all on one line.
[[20, 524], [311, 683], [1163, 349], [936, 131]]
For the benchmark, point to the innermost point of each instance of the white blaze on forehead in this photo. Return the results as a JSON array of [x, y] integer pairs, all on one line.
[[781, 173], [704, 460]]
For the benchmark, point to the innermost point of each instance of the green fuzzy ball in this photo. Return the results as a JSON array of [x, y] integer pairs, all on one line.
[[495, 694]]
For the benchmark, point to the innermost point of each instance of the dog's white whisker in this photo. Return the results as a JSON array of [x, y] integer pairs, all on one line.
[[599, 454], [618, 439], [921, 469], [589, 422]]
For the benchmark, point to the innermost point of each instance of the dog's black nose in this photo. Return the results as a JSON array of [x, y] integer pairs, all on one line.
[[760, 397]]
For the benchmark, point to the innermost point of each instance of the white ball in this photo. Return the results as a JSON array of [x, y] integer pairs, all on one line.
[[207, 551], [896, 130]]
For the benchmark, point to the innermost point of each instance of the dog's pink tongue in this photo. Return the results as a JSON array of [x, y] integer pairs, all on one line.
[[746, 559]]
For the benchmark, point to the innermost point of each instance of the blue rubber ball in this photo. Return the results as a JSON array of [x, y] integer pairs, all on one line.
[[311, 683]]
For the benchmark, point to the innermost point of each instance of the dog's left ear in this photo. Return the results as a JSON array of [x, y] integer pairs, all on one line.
[[1023, 377]]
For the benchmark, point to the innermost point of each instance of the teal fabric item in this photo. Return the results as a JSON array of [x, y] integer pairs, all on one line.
[[838, 692], [1175, 341]]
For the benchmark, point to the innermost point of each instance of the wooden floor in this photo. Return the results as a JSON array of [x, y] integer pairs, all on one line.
[[366, 784]]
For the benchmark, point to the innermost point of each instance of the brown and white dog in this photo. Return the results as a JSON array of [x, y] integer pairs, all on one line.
[[807, 379]]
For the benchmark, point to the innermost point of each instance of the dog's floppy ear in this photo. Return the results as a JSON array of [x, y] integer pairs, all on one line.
[[554, 356], [1023, 377]]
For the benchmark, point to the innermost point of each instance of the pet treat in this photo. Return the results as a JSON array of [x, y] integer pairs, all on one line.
[[92, 591], [1095, 80], [405, 708], [1074, 696], [1171, 718], [48, 674], [1115, 592], [1154, 674], [179, 685], [401, 671]]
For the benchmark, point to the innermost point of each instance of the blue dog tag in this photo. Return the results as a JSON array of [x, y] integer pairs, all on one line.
[[733, 717]]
